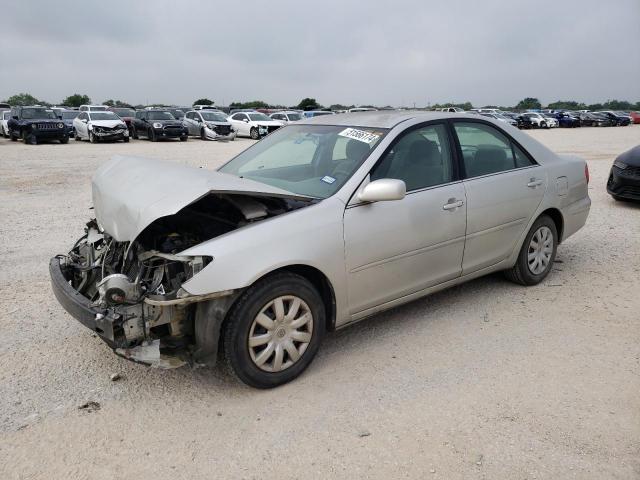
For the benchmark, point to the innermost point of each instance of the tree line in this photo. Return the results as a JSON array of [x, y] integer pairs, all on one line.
[[529, 103]]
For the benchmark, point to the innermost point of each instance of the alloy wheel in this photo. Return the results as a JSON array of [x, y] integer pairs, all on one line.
[[280, 333], [540, 250]]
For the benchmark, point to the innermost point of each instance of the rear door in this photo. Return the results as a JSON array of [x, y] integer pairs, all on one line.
[[504, 187], [396, 248]]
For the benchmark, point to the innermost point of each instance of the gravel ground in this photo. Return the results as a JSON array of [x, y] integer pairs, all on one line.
[[485, 380]]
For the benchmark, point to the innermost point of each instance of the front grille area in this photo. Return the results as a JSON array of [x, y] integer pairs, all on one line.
[[631, 172], [47, 126], [222, 129], [173, 129]]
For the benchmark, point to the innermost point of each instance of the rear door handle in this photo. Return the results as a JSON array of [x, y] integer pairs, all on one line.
[[452, 204], [533, 183]]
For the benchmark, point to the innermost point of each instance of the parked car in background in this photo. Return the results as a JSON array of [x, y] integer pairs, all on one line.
[[501, 118], [522, 122], [588, 119], [209, 125], [4, 121], [253, 124], [93, 108], [34, 124], [635, 117], [126, 114], [362, 109], [286, 116], [67, 117], [204, 107], [157, 124], [624, 177], [567, 120], [537, 119], [100, 126], [317, 113], [618, 120], [267, 254], [452, 109], [552, 122]]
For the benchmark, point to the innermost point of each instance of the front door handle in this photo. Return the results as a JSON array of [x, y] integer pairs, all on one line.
[[452, 204], [533, 183]]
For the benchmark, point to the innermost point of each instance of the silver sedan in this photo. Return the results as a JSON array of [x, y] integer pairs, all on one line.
[[321, 224]]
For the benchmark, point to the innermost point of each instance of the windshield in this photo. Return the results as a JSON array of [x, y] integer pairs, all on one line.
[[103, 116], [37, 113], [69, 115], [124, 112], [310, 160], [160, 116], [258, 117], [213, 116]]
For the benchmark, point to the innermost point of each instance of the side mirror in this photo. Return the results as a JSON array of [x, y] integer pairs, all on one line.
[[84, 120], [245, 120], [383, 190]]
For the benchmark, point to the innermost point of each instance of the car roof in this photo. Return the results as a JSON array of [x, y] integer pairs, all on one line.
[[381, 119]]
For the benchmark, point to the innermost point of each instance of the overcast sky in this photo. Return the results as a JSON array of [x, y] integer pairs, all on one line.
[[385, 52]]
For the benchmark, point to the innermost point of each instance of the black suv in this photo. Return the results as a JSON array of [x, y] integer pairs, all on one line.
[[33, 124], [157, 124]]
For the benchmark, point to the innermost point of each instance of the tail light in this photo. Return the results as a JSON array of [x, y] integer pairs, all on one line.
[[586, 172]]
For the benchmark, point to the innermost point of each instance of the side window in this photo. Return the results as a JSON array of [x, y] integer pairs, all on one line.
[[190, 115], [240, 116], [421, 158], [485, 150]]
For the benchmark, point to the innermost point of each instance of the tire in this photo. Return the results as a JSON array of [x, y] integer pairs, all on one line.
[[29, 138], [125, 139], [64, 140], [203, 136], [77, 138], [184, 138], [12, 137], [93, 138], [543, 125], [152, 135], [134, 134], [260, 300], [524, 273], [253, 133]]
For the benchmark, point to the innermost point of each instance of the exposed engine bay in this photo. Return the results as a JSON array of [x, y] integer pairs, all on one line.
[[137, 285]]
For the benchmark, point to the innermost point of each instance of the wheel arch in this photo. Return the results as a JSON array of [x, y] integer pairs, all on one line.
[[322, 284], [558, 220]]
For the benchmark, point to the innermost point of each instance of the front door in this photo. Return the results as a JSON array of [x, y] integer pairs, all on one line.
[[396, 248]]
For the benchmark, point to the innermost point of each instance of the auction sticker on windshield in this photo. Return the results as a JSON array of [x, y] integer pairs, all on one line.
[[360, 135]]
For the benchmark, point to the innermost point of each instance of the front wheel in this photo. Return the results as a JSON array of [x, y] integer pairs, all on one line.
[[274, 330], [93, 138], [254, 134], [125, 139], [134, 134], [64, 140], [183, 138], [203, 135], [152, 135], [537, 254]]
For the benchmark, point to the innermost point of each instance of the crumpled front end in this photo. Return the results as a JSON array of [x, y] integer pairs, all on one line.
[[220, 132], [130, 295]]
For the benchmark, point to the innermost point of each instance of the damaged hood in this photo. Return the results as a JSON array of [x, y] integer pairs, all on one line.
[[129, 193]]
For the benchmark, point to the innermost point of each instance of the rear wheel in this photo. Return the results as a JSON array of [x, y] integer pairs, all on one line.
[[537, 254], [274, 330], [134, 134]]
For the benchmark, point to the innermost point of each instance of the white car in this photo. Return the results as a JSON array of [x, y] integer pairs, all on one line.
[[451, 109], [93, 108], [209, 125], [99, 126], [4, 128], [286, 116], [362, 109], [253, 124], [539, 120]]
